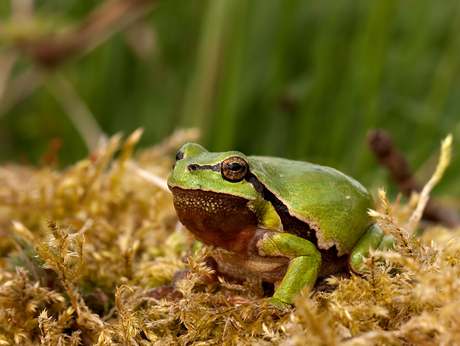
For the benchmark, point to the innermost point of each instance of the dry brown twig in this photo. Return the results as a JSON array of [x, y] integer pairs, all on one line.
[[393, 161], [404, 237]]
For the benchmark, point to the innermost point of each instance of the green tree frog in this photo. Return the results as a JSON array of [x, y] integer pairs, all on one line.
[[285, 222]]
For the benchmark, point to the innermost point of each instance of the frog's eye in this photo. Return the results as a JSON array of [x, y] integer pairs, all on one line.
[[234, 169], [179, 155]]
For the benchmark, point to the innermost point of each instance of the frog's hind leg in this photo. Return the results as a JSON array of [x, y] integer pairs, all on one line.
[[374, 238]]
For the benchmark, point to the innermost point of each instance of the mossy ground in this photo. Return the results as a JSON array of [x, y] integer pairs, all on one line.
[[82, 249]]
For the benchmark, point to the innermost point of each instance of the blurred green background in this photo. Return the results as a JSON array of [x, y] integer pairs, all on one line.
[[298, 79]]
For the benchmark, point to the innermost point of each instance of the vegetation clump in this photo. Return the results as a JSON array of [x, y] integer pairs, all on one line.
[[86, 253]]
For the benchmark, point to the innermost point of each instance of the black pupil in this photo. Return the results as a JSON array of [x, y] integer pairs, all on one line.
[[234, 166]]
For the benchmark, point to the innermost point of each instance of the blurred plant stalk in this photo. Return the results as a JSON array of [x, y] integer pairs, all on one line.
[[48, 50]]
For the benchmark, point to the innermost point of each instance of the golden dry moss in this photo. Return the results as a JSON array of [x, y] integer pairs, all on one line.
[[82, 250]]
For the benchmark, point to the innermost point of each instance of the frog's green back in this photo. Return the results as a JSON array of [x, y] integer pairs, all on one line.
[[337, 203]]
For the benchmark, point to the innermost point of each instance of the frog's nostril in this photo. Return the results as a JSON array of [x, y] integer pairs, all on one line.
[[192, 168]]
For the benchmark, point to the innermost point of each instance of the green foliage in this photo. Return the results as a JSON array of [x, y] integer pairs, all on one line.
[[297, 79]]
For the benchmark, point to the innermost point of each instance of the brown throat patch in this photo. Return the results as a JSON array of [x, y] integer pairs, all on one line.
[[215, 218]]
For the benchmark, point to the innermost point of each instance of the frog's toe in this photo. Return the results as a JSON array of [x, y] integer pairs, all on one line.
[[278, 303]]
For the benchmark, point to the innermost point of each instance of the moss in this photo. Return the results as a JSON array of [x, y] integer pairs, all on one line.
[[85, 247]]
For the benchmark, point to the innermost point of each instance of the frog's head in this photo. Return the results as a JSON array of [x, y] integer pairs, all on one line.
[[225, 173], [216, 199]]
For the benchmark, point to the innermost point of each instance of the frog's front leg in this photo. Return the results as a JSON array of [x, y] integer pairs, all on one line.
[[374, 238], [303, 268]]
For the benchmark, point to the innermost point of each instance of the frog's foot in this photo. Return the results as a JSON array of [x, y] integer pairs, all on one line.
[[277, 303], [374, 238]]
